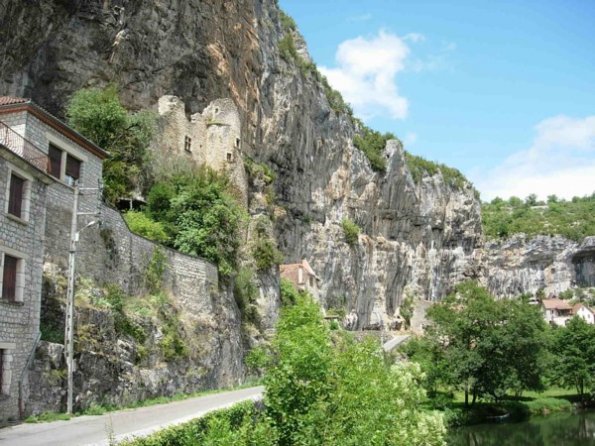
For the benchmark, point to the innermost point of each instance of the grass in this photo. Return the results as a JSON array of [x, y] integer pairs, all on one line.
[[519, 408], [100, 409]]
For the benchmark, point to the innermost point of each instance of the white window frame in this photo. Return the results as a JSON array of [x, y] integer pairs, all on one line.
[[6, 349], [26, 205], [67, 149], [21, 275]]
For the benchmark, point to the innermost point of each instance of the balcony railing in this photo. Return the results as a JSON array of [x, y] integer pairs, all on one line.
[[23, 148]]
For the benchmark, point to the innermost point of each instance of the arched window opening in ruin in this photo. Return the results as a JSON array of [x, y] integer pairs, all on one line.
[[237, 143], [187, 144]]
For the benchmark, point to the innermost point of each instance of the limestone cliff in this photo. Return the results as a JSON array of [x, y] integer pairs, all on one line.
[[521, 264], [418, 237]]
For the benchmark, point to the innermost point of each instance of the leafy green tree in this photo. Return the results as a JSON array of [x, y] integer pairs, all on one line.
[[302, 352], [488, 346], [333, 391], [98, 115], [201, 215], [142, 224], [574, 350]]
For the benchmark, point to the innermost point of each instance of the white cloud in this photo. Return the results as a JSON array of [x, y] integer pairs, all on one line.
[[366, 71], [561, 161]]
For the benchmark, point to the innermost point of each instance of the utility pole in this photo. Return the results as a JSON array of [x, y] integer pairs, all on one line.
[[69, 325]]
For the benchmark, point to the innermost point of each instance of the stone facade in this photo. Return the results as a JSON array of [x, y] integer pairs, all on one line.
[[211, 138], [107, 253], [20, 238]]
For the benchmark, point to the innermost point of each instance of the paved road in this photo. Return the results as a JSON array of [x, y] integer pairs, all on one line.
[[397, 340], [93, 430]]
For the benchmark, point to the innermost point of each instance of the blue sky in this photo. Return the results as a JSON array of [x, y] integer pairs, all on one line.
[[502, 90]]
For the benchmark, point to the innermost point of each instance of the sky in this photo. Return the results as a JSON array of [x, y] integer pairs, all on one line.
[[502, 90]]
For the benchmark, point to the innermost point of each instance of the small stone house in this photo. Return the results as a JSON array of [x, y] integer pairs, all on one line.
[[556, 311], [585, 313], [40, 161], [302, 276]]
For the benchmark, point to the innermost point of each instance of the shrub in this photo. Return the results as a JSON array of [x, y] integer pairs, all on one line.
[[141, 224], [266, 254], [372, 143], [123, 325], [201, 215], [287, 48], [351, 231], [245, 293], [289, 295], [419, 167], [98, 115]]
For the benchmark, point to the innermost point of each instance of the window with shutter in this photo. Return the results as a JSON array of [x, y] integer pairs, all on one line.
[[1, 370], [15, 196], [55, 155], [73, 170], [9, 278]]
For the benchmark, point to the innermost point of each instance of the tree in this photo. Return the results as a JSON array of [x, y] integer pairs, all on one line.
[[201, 215], [574, 361], [98, 115], [488, 347], [330, 390]]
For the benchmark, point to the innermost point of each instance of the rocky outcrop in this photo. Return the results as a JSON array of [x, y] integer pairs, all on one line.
[[522, 264], [418, 238]]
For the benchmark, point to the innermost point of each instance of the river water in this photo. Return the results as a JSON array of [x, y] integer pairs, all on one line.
[[561, 429]]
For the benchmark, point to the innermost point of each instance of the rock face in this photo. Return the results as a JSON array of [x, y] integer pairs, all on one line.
[[526, 265], [418, 238]]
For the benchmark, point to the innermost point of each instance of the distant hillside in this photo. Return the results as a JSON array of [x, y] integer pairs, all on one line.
[[574, 219]]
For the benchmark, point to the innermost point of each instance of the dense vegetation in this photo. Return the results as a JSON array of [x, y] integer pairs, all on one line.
[[98, 115], [321, 388], [494, 350], [351, 231], [574, 219]]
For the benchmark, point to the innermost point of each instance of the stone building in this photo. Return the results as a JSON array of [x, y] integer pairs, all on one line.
[[40, 160], [302, 276], [211, 138]]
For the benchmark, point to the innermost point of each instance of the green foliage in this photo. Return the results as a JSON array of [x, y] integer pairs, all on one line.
[[259, 171], [123, 325], [287, 48], [342, 394], [48, 417], [573, 219], [240, 425], [266, 254], [287, 22], [258, 359], [574, 361], [201, 215], [289, 295], [406, 310], [98, 115], [372, 143], [351, 231], [245, 292], [483, 346], [420, 167], [155, 270], [334, 98], [141, 224]]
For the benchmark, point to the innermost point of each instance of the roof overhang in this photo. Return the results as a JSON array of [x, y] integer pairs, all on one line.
[[56, 124]]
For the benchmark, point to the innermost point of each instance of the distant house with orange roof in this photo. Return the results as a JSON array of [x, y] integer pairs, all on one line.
[[302, 276], [584, 312], [556, 311]]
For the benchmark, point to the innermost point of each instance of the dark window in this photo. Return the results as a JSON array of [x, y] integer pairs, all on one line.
[[229, 157], [73, 170], [55, 161], [1, 369], [188, 144], [9, 278], [15, 198], [237, 143]]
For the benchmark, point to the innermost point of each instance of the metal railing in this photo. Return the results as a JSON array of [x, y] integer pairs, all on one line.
[[23, 148]]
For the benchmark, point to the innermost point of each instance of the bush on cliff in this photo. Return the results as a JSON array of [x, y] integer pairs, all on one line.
[[351, 231], [99, 115], [142, 224], [201, 215]]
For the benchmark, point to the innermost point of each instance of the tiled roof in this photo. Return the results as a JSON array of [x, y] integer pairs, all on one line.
[[10, 100], [556, 304]]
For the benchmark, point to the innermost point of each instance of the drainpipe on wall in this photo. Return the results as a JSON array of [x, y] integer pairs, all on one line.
[[22, 377]]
